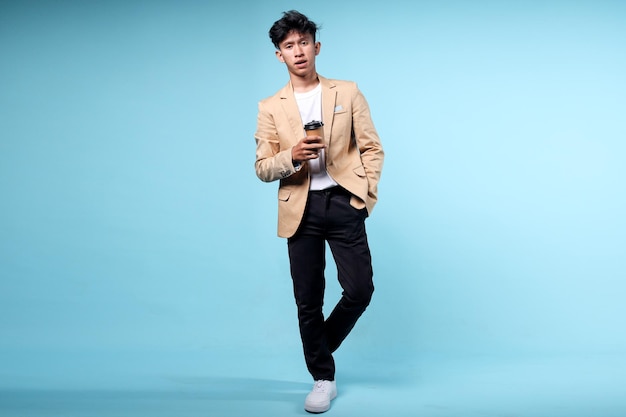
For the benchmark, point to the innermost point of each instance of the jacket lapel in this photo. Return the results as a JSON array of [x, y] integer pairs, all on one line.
[[329, 95], [290, 107]]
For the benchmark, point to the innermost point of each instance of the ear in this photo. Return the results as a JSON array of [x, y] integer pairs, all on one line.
[[279, 55], [318, 46]]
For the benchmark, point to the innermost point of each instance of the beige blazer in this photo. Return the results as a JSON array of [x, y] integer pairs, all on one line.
[[354, 154]]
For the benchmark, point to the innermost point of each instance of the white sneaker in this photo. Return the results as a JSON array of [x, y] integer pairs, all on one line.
[[318, 400]]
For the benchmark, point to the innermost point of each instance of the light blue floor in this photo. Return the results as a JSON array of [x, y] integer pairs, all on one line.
[[242, 384]]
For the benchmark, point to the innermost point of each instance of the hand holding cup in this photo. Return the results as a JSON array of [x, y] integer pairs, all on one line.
[[309, 146]]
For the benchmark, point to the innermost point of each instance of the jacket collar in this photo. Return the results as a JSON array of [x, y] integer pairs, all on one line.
[[288, 101]]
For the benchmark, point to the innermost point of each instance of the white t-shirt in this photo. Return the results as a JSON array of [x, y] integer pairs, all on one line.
[[310, 106]]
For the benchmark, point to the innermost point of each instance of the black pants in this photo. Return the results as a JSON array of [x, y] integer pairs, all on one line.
[[329, 217]]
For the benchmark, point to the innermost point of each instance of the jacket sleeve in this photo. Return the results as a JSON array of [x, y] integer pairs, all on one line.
[[370, 147], [272, 162]]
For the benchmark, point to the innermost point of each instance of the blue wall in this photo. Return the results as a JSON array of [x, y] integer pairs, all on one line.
[[131, 218]]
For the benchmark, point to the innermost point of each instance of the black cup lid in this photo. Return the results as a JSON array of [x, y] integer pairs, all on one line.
[[312, 125]]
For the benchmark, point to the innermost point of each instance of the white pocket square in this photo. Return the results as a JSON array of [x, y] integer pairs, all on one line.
[[338, 108]]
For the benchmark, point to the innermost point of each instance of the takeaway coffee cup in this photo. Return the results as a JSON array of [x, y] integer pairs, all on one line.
[[314, 128]]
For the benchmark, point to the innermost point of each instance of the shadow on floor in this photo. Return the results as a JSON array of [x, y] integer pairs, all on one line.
[[194, 397]]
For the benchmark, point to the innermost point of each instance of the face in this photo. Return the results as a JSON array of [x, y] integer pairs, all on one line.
[[298, 52]]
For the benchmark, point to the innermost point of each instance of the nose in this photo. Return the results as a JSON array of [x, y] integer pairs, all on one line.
[[297, 50]]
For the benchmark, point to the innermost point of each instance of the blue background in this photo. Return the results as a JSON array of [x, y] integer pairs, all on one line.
[[138, 249]]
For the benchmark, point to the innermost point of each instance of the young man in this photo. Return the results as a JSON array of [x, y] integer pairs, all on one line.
[[328, 186]]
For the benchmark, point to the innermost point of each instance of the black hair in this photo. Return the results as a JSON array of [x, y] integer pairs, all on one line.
[[291, 21]]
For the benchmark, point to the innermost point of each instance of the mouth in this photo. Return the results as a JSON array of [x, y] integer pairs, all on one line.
[[301, 63]]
